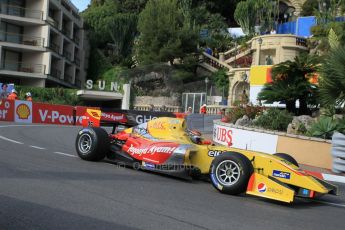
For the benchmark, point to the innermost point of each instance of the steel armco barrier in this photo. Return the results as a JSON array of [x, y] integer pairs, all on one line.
[[338, 152], [201, 122]]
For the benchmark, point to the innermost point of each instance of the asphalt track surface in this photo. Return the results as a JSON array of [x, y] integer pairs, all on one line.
[[44, 185]]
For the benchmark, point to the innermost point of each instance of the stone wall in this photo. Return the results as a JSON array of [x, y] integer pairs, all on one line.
[[156, 101]]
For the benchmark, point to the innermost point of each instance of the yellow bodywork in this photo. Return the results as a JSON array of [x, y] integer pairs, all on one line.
[[174, 129], [277, 187]]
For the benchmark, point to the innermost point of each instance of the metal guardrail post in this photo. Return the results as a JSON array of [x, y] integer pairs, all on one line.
[[338, 152]]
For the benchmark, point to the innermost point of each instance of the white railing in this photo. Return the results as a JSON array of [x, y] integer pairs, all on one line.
[[211, 109], [158, 108]]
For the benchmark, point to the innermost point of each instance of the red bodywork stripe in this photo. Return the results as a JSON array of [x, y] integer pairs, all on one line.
[[298, 173], [251, 182], [315, 174]]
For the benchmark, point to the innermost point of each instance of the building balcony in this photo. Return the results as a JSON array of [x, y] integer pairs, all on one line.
[[54, 47], [21, 39], [52, 22], [78, 83], [20, 12], [77, 61], [23, 67], [68, 78], [76, 40], [66, 31], [55, 73], [67, 55]]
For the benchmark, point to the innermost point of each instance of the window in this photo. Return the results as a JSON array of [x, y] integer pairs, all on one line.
[[12, 60]]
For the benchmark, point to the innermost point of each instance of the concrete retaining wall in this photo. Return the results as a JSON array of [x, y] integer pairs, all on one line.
[[306, 150]]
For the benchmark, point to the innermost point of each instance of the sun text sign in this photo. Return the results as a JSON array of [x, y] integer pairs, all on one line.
[[102, 85]]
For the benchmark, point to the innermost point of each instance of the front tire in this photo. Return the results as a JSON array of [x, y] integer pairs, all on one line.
[[92, 144], [230, 173]]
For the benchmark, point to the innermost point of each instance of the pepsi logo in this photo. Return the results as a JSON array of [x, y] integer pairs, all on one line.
[[262, 187]]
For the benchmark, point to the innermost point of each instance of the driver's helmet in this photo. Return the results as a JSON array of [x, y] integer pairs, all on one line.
[[195, 136]]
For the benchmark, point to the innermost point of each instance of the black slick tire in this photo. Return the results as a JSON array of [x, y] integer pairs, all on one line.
[[92, 144], [231, 165]]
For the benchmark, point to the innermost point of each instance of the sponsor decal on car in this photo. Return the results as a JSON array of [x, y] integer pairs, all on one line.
[[274, 190], [214, 153], [157, 125], [150, 150], [114, 117], [148, 165], [262, 187], [305, 192], [281, 174]]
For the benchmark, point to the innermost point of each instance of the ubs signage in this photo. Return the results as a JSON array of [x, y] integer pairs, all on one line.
[[102, 85]]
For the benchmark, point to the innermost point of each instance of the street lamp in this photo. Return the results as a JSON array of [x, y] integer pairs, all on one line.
[[206, 82], [258, 51], [260, 41], [235, 53], [244, 77], [285, 17]]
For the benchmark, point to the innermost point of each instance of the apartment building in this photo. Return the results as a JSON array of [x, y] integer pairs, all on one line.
[[42, 43]]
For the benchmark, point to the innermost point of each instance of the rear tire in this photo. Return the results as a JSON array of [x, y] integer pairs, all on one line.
[[92, 144], [287, 157], [230, 173]]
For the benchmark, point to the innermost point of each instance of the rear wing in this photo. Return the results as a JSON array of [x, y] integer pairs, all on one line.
[[128, 118]]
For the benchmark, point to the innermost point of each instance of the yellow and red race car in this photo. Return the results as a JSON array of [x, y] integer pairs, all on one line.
[[166, 145]]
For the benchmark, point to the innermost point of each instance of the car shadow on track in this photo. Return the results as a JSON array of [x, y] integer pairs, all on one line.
[[19, 214]]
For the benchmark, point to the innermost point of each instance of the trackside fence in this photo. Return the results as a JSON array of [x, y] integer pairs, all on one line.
[[34, 112]]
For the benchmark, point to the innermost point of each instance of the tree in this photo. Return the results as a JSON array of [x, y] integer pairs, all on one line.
[[166, 33], [98, 19], [291, 82], [332, 82], [123, 31], [221, 79], [223, 8], [251, 13], [309, 7]]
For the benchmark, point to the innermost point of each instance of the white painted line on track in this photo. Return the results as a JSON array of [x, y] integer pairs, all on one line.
[[65, 154], [10, 140], [36, 147], [330, 203], [45, 125], [8, 126]]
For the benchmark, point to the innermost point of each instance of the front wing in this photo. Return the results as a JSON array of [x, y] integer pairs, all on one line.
[[271, 188]]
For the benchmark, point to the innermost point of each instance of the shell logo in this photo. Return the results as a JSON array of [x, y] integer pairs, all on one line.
[[23, 111]]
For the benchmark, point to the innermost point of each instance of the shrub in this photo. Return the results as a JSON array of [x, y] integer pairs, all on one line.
[[50, 95], [318, 31], [274, 119], [326, 126], [236, 113]]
